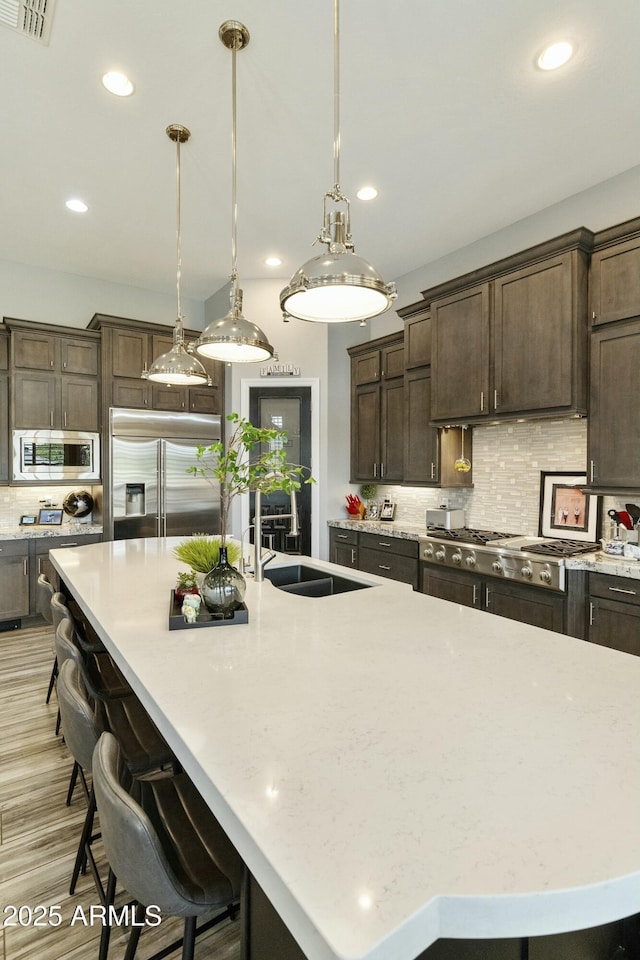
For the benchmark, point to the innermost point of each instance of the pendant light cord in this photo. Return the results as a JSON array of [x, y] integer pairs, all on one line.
[[336, 97], [234, 201], [178, 337]]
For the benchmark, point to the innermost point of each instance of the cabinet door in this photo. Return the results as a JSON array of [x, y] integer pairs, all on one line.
[[615, 282], [417, 342], [345, 554], [131, 393], [79, 403], [614, 421], [535, 333], [391, 431], [4, 428], [616, 625], [391, 565], [79, 356], [392, 361], [14, 586], [33, 351], [167, 397], [458, 587], [34, 400], [420, 438], [365, 433], [129, 353], [205, 399], [460, 350], [365, 368], [524, 604]]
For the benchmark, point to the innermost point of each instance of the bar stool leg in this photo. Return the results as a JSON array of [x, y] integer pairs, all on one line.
[[134, 936], [106, 929]]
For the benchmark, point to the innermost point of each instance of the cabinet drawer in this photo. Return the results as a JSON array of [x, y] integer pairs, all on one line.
[[624, 589], [14, 548], [388, 565], [44, 544], [344, 536], [395, 545]]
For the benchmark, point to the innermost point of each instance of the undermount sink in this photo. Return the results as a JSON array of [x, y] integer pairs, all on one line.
[[308, 581]]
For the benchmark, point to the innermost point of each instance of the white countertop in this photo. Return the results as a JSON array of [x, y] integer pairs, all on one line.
[[392, 767]]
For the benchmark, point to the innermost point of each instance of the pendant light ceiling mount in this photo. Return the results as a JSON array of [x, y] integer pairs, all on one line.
[[338, 286], [233, 338], [177, 366]]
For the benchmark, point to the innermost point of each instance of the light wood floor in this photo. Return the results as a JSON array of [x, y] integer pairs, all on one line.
[[39, 833]]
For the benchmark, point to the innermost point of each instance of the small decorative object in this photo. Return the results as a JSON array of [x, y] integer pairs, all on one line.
[[191, 602], [78, 504], [27, 519], [355, 507], [223, 588], [387, 510], [185, 584], [567, 510], [368, 491], [49, 517], [189, 613]]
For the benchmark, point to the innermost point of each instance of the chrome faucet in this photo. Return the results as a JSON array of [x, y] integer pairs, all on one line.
[[261, 559]]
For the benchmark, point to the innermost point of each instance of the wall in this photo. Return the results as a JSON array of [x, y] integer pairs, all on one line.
[[47, 296]]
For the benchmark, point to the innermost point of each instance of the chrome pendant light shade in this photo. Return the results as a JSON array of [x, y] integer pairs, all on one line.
[[177, 366], [337, 286], [232, 338]]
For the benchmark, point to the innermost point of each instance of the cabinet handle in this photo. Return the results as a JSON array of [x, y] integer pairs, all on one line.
[[590, 614], [433, 471], [353, 555], [631, 593], [50, 418], [487, 599], [592, 468], [495, 400], [381, 543], [475, 594], [342, 536], [39, 571], [65, 418], [64, 365], [482, 401], [25, 567], [594, 315], [50, 363], [375, 469], [382, 566], [381, 470]]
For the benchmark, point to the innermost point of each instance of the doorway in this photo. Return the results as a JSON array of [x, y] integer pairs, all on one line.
[[285, 408]]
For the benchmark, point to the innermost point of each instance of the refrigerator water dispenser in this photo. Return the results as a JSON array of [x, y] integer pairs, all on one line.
[[134, 500]]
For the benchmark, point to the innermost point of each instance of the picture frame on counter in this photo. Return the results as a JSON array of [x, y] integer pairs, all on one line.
[[387, 510], [50, 517], [373, 510], [28, 519], [567, 510]]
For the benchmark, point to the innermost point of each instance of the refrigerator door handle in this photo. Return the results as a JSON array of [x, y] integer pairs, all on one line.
[[162, 507]]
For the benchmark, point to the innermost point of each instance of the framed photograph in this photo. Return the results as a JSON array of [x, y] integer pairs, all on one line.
[[27, 519], [567, 510], [373, 510], [387, 510], [50, 517]]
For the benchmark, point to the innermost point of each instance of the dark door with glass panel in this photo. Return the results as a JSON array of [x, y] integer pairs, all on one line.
[[288, 409]]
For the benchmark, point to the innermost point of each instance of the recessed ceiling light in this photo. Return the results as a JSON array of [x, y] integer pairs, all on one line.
[[367, 193], [118, 83], [273, 261], [77, 205], [555, 55]]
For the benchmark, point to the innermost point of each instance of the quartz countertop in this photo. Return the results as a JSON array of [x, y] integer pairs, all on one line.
[[392, 767], [17, 532]]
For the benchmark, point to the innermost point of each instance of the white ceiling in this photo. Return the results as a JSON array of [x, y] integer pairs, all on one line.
[[442, 109]]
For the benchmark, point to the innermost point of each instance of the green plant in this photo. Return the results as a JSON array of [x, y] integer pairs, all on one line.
[[242, 466], [368, 491], [202, 553]]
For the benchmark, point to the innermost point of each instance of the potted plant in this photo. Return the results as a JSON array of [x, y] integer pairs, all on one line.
[[254, 458], [185, 583]]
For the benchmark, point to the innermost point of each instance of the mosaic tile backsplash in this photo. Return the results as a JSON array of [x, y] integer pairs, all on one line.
[[507, 461], [15, 501]]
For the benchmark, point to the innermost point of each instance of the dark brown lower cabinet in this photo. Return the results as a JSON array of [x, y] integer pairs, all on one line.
[[14, 579], [389, 557], [614, 612], [343, 547], [502, 598]]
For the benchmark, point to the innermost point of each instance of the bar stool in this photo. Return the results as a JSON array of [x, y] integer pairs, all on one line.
[[166, 848], [44, 592]]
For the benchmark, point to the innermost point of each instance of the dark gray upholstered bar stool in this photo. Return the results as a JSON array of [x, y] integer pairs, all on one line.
[[44, 592], [164, 846]]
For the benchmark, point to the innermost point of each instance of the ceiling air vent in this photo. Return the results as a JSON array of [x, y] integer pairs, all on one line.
[[32, 18]]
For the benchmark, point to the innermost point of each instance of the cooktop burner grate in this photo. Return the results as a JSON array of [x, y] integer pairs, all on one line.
[[468, 535], [561, 548]]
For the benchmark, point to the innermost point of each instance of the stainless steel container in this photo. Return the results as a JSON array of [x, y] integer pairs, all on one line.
[[447, 519]]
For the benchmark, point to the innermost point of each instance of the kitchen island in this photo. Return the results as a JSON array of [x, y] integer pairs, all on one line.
[[393, 768]]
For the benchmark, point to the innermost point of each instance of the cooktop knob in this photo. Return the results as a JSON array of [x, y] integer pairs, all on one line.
[[440, 554], [545, 576], [471, 560], [428, 551], [457, 557], [527, 572], [496, 566]]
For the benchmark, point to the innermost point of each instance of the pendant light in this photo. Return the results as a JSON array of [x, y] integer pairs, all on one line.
[[338, 286], [233, 338], [177, 366]]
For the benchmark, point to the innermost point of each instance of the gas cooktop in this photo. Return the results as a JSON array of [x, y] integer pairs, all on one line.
[[468, 535]]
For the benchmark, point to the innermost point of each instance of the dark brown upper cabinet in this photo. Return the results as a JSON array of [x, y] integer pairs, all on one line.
[[377, 410], [615, 274]]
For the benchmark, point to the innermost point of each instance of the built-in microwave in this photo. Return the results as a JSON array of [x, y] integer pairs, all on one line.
[[50, 455]]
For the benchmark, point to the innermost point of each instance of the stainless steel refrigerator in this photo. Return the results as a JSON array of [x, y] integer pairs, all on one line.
[[151, 494]]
